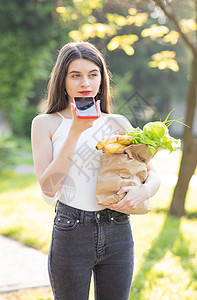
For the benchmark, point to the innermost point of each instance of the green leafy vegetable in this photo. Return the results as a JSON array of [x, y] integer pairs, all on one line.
[[156, 135]]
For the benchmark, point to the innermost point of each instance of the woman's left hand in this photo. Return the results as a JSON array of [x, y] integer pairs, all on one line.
[[137, 194], [134, 196]]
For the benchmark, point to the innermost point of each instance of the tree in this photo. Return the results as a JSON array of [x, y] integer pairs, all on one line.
[[107, 24], [29, 34], [189, 158], [138, 15], [21, 50]]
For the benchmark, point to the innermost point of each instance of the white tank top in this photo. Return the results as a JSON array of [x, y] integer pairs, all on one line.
[[79, 186]]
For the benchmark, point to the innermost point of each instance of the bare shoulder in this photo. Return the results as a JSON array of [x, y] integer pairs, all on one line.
[[46, 122], [43, 119]]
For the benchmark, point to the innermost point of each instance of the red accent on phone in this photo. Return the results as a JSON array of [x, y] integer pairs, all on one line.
[[85, 108]]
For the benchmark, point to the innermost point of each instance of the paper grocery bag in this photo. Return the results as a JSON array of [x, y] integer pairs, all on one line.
[[126, 168]]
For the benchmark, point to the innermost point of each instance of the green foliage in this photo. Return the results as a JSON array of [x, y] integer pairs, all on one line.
[[120, 89], [122, 20], [30, 32], [26, 28], [6, 152], [21, 118], [14, 151]]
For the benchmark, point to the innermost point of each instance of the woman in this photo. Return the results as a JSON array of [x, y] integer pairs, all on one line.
[[86, 237]]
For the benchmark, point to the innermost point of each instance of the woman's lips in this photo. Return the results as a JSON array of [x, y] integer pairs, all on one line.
[[85, 93]]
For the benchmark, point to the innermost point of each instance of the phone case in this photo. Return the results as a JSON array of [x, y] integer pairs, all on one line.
[[86, 117]]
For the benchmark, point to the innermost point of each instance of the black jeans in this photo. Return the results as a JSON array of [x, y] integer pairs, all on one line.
[[83, 242]]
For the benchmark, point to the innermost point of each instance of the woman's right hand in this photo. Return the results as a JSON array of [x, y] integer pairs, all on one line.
[[79, 125]]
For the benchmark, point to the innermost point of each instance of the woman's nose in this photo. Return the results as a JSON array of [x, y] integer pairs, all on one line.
[[85, 82]]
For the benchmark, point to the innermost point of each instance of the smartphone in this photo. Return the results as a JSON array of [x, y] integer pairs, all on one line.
[[85, 108]]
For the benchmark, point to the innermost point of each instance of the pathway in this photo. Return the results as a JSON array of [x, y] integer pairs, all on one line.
[[21, 266]]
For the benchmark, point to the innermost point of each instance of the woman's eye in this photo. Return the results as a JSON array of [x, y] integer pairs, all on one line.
[[75, 76], [93, 75]]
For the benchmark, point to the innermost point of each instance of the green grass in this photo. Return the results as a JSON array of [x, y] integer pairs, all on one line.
[[24, 215], [20, 149], [165, 246], [166, 258], [21, 143]]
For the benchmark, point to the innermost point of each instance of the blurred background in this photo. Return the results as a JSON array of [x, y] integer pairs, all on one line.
[[151, 52]]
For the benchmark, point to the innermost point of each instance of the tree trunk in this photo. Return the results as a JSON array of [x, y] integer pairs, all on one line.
[[189, 158]]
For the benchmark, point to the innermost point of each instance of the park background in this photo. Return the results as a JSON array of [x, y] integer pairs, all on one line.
[[151, 51]]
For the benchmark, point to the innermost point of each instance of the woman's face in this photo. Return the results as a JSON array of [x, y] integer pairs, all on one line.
[[83, 79]]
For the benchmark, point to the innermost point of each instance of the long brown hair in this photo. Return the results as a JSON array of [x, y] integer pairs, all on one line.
[[57, 100]]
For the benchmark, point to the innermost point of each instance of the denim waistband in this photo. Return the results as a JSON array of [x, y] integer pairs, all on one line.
[[101, 215]]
